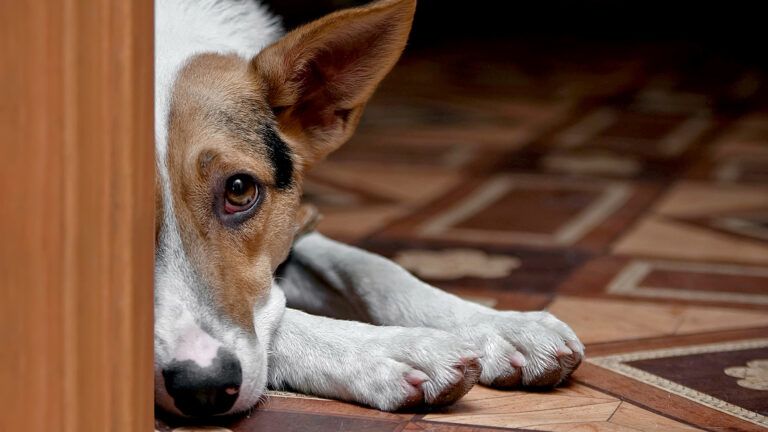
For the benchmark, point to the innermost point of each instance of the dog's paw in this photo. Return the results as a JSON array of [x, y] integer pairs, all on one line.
[[529, 349], [414, 367]]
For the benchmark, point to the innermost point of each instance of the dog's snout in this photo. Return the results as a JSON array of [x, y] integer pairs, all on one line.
[[199, 391]]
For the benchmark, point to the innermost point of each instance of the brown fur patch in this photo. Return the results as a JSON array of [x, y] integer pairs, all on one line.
[[511, 380], [470, 376], [308, 90], [217, 110]]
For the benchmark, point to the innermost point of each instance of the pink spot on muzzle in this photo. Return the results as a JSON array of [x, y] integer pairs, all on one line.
[[197, 345]]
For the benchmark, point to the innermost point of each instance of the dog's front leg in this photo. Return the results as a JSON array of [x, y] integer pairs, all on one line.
[[388, 368], [532, 348]]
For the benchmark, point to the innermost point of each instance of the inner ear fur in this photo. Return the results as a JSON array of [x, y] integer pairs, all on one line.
[[320, 76]]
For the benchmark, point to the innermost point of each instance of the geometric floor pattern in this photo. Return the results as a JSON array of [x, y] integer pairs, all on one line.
[[628, 196], [729, 377]]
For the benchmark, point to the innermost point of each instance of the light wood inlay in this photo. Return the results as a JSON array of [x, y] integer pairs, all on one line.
[[614, 320]]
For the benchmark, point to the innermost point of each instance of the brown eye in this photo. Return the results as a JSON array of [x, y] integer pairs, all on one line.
[[240, 193]]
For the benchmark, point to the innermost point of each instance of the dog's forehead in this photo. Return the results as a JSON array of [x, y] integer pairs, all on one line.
[[221, 93], [221, 90], [217, 78]]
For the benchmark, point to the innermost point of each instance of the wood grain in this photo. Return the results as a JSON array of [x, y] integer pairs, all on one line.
[[76, 221], [660, 401]]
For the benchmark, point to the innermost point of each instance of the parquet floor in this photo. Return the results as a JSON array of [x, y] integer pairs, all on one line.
[[625, 191]]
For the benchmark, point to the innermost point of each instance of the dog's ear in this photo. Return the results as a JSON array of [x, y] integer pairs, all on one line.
[[320, 76]]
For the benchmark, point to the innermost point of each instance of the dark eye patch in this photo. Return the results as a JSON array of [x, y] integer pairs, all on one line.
[[253, 123], [280, 156]]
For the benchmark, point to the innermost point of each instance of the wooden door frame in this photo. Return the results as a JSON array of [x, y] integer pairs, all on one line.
[[77, 215]]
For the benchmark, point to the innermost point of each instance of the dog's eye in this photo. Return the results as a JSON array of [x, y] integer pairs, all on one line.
[[240, 193]]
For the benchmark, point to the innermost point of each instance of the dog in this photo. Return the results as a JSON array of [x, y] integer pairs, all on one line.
[[242, 113]]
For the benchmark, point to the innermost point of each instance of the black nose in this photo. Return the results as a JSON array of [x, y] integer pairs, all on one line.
[[204, 391]]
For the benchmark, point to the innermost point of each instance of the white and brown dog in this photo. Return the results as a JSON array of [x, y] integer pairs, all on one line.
[[241, 115]]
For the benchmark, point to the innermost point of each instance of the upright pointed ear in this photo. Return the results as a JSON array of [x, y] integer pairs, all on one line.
[[320, 76]]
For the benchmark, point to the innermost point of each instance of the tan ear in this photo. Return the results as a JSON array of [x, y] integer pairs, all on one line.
[[320, 76]]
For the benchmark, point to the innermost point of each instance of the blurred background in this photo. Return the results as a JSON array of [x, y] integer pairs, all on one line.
[[605, 160], [653, 92], [731, 29]]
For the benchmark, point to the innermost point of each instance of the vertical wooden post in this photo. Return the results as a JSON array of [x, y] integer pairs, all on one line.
[[76, 215]]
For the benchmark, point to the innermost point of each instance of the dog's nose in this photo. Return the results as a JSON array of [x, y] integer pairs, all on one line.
[[201, 391]]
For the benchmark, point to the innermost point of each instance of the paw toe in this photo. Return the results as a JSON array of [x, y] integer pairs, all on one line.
[[510, 379], [414, 399], [550, 377], [568, 364], [470, 371]]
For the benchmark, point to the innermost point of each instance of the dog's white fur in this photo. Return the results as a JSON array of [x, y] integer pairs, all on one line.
[[183, 29], [419, 334], [329, 278]]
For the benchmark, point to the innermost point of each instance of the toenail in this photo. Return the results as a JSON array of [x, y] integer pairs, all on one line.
[[575, 346], [517, 360], [564, 351], [416, 377]]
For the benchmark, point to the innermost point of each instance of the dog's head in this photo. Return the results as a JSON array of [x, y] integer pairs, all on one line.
[[241, 133]]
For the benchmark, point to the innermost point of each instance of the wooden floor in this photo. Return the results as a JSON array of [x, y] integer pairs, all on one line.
[[623, 190]]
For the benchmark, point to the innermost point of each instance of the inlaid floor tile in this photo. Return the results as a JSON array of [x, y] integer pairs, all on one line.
[[602, 426], [727, 377], [351, 225], [626, 140], [659, 97], [749, 224], [570, 404], [661, 401], [626, 418], [496, 121], [648, 135], [631, 416], [480, 267], [716, 84], [354, 201], [591, 162], [513, 300], [539, 211], [406, 148], [660, 279], [664, 238], [692, 199], [425, 426], [564, 212], [749, 166], [268, 421], [731, 285], [698, 221], [395, 183], [739, 155], [296, 402], [599, 320], [294, 412]]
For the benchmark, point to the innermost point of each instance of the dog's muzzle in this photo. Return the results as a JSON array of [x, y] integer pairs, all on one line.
[[204, 391]]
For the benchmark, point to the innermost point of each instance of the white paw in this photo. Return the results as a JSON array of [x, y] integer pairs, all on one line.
[[530, 349], [406, 367]]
